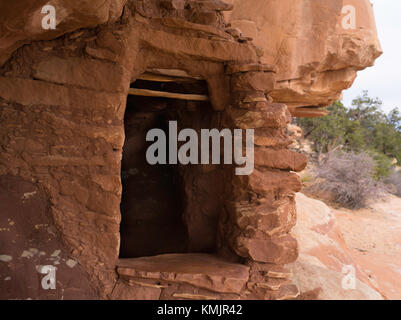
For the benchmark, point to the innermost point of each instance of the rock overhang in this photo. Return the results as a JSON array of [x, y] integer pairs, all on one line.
[[82, 113]]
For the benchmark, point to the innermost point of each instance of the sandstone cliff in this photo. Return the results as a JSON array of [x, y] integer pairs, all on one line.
[[316, 58], [76, 103], [21, 21]]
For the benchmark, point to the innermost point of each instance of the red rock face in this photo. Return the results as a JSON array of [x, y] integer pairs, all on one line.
[[326, 256], [28, 241], [315, 52], [64, 130], [21, 22]]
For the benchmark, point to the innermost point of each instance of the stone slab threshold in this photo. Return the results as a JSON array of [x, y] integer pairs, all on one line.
[[200, 270]]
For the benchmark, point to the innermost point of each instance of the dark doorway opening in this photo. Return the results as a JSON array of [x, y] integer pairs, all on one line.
[[168, 208], [150, 205]]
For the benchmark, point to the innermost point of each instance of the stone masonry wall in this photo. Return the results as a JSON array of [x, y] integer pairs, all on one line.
[[62, 106]]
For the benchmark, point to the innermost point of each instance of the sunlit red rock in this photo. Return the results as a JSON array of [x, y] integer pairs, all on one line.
[[316, 58]]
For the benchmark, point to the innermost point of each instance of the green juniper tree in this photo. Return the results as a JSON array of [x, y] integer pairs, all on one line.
[[363, 127]]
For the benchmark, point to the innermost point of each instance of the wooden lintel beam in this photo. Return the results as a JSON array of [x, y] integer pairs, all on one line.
[[161, 78], [308, 112], [172, 73], [170, 95]]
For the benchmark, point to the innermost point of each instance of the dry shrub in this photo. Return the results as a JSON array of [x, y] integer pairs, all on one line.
[[348, 177], [394, 183]]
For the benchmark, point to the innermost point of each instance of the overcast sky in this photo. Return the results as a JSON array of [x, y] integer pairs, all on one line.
[[384, 79]]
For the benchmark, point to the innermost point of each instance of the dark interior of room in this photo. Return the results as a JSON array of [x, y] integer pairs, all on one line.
[[166, 208]]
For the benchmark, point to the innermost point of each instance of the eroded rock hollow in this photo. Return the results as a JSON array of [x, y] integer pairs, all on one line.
[[75, 106]]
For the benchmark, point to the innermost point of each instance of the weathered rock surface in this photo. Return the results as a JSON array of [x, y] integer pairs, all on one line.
[[316, 58], [29, 241], [203, 271], [63, 128], [323, 255], [374, 239], [21, 22]]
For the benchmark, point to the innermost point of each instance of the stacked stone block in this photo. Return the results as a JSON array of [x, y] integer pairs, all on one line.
[[263, 212]]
